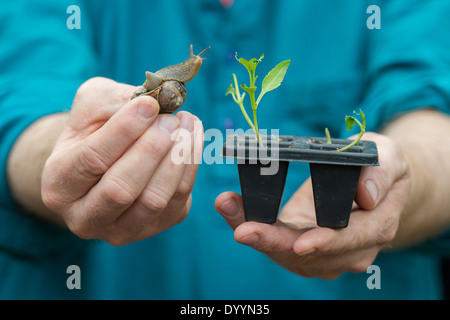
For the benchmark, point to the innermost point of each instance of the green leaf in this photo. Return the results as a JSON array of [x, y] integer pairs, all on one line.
[[244, 62], [350, 121], [249, 90], [274, 78], [250, 65], [254, 62], [230, 90]]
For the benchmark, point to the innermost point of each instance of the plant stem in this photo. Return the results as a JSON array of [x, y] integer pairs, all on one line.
[[327, 133], [357, 138], [240, 101], [258, 137], [255, 119], [241, 105], [254, 106]]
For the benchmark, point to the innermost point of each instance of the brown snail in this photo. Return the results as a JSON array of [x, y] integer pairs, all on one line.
[[167, 85]]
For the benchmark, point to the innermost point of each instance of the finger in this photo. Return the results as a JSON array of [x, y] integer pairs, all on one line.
[[82, 163], [324, 241], [173, 200], [375, 182], [273, 239], [332, 266], [175, 212], [279, 241], [300, 210], [230, 206], [123, 183], [180, 203], [98, 152], [96, 101], [194, 126], [266, 238], [367, 229], [150, 206], [192, 163], [168, 184]]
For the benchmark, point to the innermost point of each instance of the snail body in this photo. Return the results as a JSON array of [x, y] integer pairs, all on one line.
[[161, 84]]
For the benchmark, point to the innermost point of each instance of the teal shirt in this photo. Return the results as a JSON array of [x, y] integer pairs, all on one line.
[[337, 66]]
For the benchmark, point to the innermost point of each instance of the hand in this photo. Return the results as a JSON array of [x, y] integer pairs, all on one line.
[[299, 245], [111, 175]]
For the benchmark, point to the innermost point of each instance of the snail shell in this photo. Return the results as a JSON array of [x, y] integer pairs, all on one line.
[[170, 95]]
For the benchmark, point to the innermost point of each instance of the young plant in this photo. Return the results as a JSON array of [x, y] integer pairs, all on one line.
[[271, 81], [351, 121]]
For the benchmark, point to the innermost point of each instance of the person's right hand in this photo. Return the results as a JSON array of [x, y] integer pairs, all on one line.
[[111, 175]]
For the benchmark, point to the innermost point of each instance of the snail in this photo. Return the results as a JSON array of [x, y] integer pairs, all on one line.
[[167, 85]]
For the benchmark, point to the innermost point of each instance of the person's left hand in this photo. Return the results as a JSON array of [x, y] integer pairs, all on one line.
[[299, 245]]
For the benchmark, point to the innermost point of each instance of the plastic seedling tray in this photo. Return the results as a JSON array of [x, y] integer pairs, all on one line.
[[334, 174]]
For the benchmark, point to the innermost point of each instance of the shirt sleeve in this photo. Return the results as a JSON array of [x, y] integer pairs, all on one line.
[[43, 62], [408, 67], [407, 60]]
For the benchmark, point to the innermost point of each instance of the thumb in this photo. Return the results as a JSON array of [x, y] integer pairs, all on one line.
[[375, 182], [368, 192], [230, 206]]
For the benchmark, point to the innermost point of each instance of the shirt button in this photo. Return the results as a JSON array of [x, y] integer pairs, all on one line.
[[227, 4], [229, 57], [228, 123]]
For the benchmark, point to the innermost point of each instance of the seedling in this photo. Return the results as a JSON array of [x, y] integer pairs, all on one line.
[[271, 81], [334, 175], [350, 122]]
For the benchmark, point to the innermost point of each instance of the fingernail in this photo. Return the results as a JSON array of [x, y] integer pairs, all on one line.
[[373, 191], [168, 123], [146, 110], [187, 122], [229, 208]]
